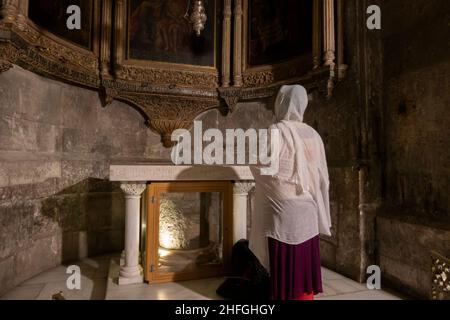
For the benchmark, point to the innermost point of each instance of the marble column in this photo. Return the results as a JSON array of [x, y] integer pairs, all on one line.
[[131, 272], [240, 202]]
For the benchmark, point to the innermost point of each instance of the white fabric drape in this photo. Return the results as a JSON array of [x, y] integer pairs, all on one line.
[[291, 206]]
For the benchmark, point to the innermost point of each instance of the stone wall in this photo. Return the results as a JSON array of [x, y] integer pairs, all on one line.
[[416, 216], [56, 144]]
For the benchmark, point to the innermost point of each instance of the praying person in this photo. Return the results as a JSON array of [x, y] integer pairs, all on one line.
[[292, 206]]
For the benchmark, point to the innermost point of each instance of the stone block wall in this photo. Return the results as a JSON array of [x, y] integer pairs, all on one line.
[[405, 248], [56, 144], [417, 96], [416, 187]]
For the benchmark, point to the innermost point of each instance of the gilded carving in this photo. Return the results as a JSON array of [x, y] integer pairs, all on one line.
[[167, 113], [231, 96], [169, 77], [166, 127], [274, 74], [258, 79], [9, 9], [5, 66], [81, 59], [45, 54], [440, 282], [171, 95]]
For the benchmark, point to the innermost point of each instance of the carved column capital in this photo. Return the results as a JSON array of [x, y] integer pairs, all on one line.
[[243, 187], [240, 208], [133, 189]]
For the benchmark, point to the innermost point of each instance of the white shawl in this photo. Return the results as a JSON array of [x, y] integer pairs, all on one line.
[[292, 206]]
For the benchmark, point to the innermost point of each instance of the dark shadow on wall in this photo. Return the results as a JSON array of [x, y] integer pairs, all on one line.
[[91, 221]]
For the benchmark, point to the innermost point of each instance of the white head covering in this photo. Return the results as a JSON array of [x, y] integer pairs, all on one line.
[[291, 103]]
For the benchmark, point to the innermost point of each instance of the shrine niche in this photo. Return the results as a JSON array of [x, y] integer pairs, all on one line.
[[161, 66], [172, 62], [160, 31]]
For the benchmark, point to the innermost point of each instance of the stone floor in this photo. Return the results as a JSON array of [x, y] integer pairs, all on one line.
[[98, 283]]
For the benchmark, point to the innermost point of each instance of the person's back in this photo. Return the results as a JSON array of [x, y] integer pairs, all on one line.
[[292, 206]]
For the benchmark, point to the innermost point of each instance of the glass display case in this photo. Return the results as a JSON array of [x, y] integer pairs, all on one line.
[[188, 230]]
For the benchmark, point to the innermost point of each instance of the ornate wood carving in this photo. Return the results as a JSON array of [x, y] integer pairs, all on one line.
[[440, 280], [268, 75], [5, 65], [231, 96], [315, 80], [260, 77], [179, 78], [44, 53], [9, 9], [167, 113], [170, 95]]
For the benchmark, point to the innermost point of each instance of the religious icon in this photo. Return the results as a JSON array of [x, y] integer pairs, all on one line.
[[279, 30], [160, 30]]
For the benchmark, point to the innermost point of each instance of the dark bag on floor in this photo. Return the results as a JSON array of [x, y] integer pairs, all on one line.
[[249, 280]]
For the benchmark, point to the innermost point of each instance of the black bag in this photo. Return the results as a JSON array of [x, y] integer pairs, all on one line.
[[249, 280]]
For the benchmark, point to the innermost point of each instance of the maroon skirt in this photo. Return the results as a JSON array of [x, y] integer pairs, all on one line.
[[295, 269]]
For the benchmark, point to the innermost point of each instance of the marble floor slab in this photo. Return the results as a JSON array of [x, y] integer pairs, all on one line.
[[99, 281]]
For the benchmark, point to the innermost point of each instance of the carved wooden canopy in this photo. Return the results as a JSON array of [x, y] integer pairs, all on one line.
[[140, 53]]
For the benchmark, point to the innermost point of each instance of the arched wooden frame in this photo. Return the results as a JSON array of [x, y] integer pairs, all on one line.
[[43, 52], [171, 95], [267, 74]]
